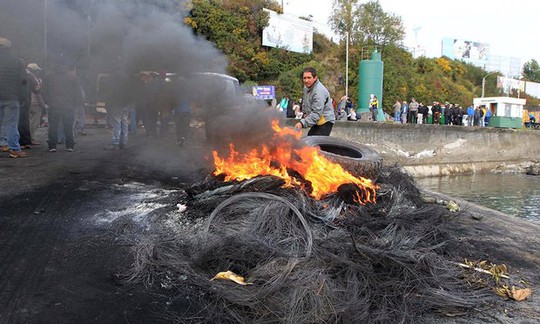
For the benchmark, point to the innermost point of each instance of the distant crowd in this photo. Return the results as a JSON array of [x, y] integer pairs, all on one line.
[[404, 112]]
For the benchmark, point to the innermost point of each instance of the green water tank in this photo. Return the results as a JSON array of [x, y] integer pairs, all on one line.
[[370, 74]]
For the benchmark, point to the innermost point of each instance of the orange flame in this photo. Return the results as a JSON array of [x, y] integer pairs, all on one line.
[[325, 176]]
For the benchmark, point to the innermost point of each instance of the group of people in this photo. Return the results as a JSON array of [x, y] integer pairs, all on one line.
[[344, 108], [440, 114], [26, 95], [148, 99]]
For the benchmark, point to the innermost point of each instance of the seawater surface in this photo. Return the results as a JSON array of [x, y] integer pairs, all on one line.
[[513, 194]]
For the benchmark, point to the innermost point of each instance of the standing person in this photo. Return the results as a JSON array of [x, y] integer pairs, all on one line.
[[120, 101], [151, 86], [164, 103], [181, 112], [25, 138], [289, 109], [422, 111], [316, 105], [63, 94], [447, 113], [488, 117], [470, 115], [413, 111], [457, 115], [436, 110], [482, 114], [37, 104], [425, 113], [397, 111], [143, 101], [404, 112], [374, 106], [476, 119], [80, 115], [13, 79]]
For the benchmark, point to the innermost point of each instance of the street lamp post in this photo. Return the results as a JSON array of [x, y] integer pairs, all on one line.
[[347, 65], [45, 13], [484, 82]]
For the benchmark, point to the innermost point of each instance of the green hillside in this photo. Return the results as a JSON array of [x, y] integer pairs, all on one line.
[[235, 26]]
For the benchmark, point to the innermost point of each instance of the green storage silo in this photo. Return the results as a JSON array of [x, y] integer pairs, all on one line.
[[370, 82]]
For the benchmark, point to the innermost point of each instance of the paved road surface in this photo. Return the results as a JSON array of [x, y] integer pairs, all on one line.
[[57, 247], [60, 239]]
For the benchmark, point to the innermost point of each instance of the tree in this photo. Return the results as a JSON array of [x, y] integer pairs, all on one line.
[[341, 20], [366, 24], [531, 71], [376, 27]]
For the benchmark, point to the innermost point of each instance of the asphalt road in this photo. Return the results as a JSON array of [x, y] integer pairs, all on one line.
[[58, 247], [62, 237]]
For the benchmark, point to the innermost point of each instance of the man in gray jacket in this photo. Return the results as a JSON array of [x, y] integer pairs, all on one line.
[[316, 105]]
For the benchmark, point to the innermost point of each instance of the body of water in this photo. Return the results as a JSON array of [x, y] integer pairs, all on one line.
[[513, 194]]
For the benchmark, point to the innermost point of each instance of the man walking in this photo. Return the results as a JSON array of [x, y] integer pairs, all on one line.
[[316, 105], [13, 80]]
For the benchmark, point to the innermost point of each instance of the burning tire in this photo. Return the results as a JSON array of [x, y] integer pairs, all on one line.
[[357, 159]]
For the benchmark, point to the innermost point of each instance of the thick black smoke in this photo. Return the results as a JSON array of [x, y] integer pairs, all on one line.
[[100, 35], [105, 36]]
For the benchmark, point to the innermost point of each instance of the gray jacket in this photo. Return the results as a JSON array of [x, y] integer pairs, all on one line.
[[317, 103]]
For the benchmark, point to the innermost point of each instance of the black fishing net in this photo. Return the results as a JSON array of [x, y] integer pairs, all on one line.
[[305, 260]]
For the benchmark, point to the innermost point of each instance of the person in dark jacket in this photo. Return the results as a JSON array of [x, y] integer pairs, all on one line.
[[13, 80], [436, 111], [62, 94]]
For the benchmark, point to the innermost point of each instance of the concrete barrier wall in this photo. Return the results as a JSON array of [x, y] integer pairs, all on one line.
[[431, 150]]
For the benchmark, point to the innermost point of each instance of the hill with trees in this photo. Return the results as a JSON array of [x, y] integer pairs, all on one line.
[[235, 26]]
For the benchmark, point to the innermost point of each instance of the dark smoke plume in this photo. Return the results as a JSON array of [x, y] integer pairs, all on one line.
[[104, 34], [123, 37]]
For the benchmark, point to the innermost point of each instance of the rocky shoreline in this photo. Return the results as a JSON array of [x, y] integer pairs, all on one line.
[[529, 168]]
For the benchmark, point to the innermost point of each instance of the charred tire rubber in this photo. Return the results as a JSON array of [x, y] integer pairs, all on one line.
[[356, 158]]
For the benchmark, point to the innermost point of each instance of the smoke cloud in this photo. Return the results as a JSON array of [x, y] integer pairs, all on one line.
[[122, 36], [99, 35]]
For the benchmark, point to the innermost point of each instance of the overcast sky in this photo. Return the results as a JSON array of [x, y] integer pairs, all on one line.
[[509, 27]]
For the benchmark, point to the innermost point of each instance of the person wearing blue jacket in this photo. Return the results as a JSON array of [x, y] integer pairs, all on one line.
[[470, 115]]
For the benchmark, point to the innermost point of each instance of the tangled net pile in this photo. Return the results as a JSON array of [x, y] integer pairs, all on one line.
[[306, 261]]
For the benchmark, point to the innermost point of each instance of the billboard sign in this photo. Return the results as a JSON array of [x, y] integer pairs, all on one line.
[[265, 92], [468, 50], [288, 32]]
